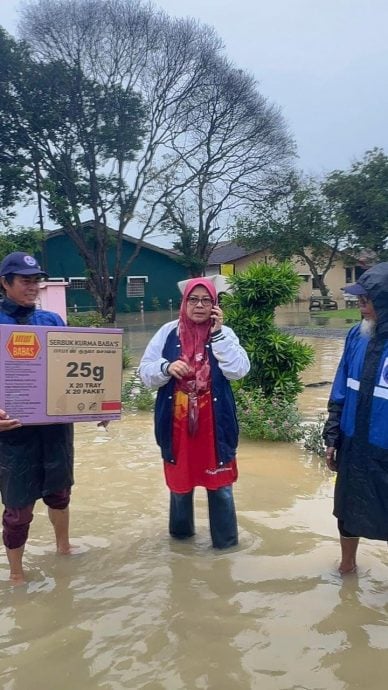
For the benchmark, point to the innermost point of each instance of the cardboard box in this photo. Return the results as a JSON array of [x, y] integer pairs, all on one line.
[[53, 374]]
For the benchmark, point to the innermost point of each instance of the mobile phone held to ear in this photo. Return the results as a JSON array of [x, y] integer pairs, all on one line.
[[212, 318]]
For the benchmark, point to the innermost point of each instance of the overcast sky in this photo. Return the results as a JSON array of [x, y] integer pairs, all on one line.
[[324, 62]]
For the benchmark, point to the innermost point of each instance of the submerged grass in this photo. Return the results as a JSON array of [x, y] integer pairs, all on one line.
[[351, 314]]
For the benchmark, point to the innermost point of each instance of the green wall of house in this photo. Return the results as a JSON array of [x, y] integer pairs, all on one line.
[[162, 271]]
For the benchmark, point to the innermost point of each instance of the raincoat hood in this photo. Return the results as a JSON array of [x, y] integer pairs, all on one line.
[[375, 282]]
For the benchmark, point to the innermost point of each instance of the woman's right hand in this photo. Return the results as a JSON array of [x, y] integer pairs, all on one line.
[[330, 459], [7, 424], [178, 369]]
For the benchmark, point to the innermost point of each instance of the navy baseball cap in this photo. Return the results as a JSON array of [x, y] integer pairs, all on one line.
[[22, 264], [354, 289]]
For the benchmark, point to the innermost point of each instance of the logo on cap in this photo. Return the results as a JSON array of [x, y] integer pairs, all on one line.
[[29, 260]]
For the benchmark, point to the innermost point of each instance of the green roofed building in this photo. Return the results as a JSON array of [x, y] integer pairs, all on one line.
[[150, 282]]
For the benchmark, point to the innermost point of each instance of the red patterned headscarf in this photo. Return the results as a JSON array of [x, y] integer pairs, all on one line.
[[194, 336]]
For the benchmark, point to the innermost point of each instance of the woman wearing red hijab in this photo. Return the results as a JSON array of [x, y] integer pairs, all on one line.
[[191, 361]]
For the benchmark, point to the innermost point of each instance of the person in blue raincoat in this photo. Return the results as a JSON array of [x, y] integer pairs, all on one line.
[[356, 431], [35, 461]]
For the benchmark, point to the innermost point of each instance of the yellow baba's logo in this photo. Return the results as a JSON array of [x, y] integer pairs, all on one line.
[[23, 345]]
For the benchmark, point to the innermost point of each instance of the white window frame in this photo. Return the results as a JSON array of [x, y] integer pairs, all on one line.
[[80, 278], [129, 278]]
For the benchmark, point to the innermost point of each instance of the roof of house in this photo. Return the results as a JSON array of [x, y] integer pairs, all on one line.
[[127, 238], [229, 251], [226, 252]]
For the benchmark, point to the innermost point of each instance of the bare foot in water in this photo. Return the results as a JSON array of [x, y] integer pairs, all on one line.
[[16, 580], [68, 549], [347, 568]]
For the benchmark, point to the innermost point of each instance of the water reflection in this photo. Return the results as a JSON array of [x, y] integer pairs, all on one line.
[[136, 610], [319, 376]]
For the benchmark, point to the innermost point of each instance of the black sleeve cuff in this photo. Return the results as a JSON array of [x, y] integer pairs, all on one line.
[[216, 336], [164, 366]]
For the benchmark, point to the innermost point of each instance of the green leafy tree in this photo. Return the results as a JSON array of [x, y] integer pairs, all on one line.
[[276, 358], [301, 223], [361, 198], [116, 49], [14, 172], [212, 139], [20, 240], [75, 137]]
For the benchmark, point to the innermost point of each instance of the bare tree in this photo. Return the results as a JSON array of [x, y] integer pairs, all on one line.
[[129, 43], [123, 48], [233, 156], [210, 142]]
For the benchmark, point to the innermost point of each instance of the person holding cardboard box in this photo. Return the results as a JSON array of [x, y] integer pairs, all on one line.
[[35, 461]]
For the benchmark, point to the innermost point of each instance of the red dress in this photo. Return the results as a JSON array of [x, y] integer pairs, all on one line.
[[195, 455], [193, 439]]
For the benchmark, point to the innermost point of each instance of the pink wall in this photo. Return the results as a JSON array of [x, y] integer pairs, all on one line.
[[52, 296]]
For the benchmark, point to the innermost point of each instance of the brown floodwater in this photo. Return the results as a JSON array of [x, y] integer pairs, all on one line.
[[136, 610]]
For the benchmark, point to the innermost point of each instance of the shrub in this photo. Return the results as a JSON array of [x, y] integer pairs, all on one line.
[[135, 395], [312, 436], [276, 358], [270, 419], [127, 357], [87, 319]]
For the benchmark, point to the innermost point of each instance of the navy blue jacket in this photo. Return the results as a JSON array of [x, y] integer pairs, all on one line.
[[358, 420], [224, 408]]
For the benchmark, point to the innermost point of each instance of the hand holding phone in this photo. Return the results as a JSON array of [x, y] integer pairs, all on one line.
[[217, 318]]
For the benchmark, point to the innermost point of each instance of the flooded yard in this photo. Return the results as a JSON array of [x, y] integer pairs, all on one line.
[[136, 610]]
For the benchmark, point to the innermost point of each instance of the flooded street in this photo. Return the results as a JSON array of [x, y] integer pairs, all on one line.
[[136, 610]]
